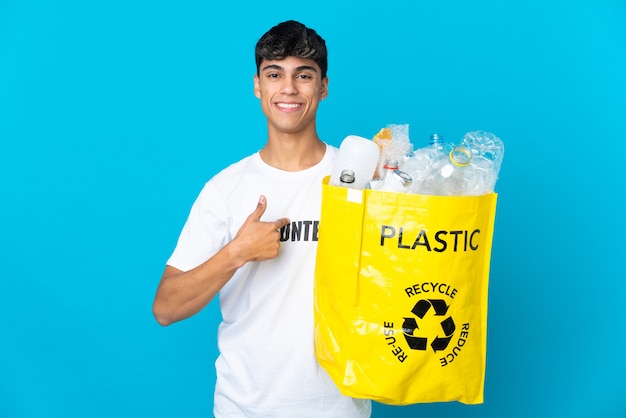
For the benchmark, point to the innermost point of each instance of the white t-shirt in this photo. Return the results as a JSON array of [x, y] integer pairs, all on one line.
[[267, 365]]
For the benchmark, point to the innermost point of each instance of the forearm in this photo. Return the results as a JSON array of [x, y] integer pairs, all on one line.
[[183, 294]]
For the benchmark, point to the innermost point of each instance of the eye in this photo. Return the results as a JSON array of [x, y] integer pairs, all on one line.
[[305, 76]]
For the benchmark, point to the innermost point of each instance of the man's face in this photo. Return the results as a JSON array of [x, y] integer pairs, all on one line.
[[290, 91]]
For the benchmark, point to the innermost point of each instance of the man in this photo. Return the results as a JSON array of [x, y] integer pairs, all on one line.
[[251, 237]]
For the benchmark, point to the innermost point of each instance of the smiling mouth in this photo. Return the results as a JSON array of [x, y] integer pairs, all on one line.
[[288, 106]]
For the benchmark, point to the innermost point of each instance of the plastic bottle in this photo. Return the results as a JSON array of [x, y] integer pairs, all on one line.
[[487, 152], [359, 155], [437, 142], [420, 161], [486, 144], [392, 180], [347, 178], [453, 175]]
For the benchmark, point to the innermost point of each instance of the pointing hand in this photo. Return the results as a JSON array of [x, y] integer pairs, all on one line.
[[257, 240]]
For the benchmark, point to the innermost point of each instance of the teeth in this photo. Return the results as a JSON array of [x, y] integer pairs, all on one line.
[[288, 105]]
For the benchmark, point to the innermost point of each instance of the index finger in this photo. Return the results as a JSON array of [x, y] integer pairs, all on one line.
[[279, 223]]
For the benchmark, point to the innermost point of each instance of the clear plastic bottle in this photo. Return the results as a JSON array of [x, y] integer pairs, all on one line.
[[437, 142], [419, 162], [392, 180], [487, 152], [453, 175], [486, 144]]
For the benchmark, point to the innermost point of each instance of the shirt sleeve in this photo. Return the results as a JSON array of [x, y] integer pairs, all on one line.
[[205, 232]]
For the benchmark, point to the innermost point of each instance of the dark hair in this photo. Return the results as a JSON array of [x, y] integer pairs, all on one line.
[[292, 39]]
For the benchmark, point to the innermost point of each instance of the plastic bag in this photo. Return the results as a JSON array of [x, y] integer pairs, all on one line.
[[401, 287]]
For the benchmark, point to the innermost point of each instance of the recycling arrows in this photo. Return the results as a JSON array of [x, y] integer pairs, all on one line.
[[420, 309]]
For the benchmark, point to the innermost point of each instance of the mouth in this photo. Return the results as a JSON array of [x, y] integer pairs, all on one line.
[[288, 106]]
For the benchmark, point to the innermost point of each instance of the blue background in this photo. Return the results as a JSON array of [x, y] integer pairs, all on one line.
[[114, 114]]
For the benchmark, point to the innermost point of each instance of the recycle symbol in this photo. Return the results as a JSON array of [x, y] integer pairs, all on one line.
[[420, 310]]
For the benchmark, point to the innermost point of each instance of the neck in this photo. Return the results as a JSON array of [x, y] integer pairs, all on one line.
[[293, 152]]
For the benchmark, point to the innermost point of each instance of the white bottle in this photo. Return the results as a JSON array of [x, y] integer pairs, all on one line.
[[392, 180], [358, 154]]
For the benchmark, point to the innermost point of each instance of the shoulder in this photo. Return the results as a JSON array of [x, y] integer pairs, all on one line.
[[236, 168], [217, 187], [231, 174]]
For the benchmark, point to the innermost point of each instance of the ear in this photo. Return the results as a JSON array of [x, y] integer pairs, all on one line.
[[324, 89], [257, 87]]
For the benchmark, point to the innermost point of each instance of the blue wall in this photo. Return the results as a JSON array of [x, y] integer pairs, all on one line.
[[113, 114]]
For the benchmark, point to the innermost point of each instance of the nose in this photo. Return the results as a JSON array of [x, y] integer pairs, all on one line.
[[289, 86]]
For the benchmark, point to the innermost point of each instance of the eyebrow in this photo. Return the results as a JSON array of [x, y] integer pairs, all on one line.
[[300, 68]]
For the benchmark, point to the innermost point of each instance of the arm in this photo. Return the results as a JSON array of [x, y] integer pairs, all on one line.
[[183, 294]]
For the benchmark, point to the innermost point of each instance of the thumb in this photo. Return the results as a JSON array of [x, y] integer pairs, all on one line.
[[260, 209]]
